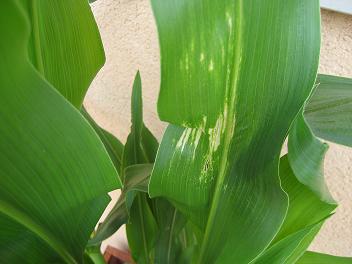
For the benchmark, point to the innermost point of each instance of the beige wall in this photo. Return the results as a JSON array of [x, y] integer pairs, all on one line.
[[130, 41]]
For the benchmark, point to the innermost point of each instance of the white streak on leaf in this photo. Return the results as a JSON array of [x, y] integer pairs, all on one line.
[[229, 20], [215, 134], [182, 142], [202, 57], [187, 62], [211, 65]]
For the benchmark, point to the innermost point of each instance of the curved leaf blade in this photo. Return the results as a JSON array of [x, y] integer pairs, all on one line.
[[329, 111], [305, 215], [136, 180], [55, 172], [306, 156], [65, 45], [112, 145], [320, 258], [289, 249], [305, 206]]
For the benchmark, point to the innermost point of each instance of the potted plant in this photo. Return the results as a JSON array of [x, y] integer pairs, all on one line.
[[238, 78]]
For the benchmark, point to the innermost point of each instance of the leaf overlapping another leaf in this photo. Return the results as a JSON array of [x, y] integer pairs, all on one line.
[[236, 73], [55, 172], [64, 45], [329, 110]]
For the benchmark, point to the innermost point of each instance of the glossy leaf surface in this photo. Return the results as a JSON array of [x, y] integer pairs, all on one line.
[[237, 72], [54, 171]]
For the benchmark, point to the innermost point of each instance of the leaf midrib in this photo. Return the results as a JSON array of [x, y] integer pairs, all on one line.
[[229, 127]]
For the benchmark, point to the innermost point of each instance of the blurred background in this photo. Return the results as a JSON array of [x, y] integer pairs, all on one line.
[[130, 40]]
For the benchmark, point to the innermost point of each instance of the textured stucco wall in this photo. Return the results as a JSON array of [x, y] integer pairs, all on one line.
[[130, 39]]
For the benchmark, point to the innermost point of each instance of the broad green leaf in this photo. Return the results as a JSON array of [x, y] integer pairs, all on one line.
[[289, 249], [54, 171], [306, 155], [136, 180], [305, 206], [320, 258], [237, 72], [306, 213], [65, 45], [113, 146], [329, 111]]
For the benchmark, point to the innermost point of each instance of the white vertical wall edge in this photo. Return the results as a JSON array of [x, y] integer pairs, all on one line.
[[344, 6]]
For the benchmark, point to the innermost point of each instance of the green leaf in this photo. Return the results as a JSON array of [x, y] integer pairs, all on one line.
[[113, 146], [306, 155], [136, 180], [305, 206], [305, 215], [54, 170], [170, 222], [289, 249], [320, 258], [65, 45], [329, 111], [140, 148], [237, 72], [141, 145], [141, 230], [93, 256]]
